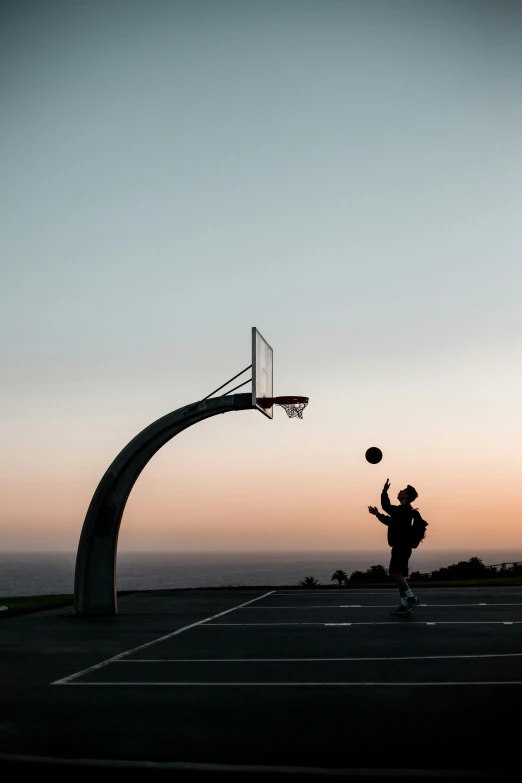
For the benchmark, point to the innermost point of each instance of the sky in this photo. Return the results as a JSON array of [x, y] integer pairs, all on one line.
[[345, 176]]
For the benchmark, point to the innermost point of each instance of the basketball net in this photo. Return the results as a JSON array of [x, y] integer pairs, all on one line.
[[293, 409]]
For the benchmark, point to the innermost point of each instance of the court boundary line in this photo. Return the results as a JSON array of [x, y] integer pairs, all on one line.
[[67, 680], [182, 766], [369, 606], [296, 684], [382, 622], [315, 660], [393, 589]]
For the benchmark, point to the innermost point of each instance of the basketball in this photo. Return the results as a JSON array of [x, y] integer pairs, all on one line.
[[373, 455]]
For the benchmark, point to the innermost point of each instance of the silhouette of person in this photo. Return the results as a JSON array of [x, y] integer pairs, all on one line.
[[399, 523]]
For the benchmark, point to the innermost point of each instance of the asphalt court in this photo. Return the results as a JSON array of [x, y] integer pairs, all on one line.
[[325, 637], [291, 677]]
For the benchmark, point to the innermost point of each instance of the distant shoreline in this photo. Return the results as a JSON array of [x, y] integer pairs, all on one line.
[[44, 574], [423, 549]]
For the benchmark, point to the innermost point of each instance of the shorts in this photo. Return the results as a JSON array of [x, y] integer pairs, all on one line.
[[399, 560]]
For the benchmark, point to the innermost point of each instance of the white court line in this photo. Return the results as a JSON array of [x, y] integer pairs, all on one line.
[[320, 660], [392, 588], [294, 684], [388, 622], [392, 591], [364, 606], [414, 622], [67, 680]]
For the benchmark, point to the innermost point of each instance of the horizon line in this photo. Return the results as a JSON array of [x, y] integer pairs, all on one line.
[[380, 550]]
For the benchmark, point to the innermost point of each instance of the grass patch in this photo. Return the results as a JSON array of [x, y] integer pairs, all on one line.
[[33, 603]]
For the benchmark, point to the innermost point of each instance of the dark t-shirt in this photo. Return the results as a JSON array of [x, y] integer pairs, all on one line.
[[398, 522]]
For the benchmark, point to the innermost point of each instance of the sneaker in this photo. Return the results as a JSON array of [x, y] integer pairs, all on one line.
[[412, 603], [401, 609]]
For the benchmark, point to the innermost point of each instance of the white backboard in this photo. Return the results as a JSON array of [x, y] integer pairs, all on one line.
[[262, 373]]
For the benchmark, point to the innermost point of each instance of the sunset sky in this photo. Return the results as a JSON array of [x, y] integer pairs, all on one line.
[[347, 177]]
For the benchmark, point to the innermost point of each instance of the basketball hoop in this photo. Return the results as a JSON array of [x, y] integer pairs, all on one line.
[[294, 406]]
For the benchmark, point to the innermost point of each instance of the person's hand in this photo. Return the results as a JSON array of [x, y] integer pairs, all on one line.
[[373, 510], [386, 486]]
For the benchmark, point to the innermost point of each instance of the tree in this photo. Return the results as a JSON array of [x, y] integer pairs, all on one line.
[[357, 576], [339, 576], [473, 568], [476, 568], [376, 573], [309, 581]]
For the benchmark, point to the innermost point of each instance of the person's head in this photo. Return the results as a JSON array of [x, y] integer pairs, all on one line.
[[407, 495]]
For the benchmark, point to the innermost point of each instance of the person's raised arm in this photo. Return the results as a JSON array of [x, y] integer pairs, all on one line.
[[385, 500]]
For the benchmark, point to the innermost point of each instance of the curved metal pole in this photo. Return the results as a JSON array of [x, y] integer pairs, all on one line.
[[95, 575]]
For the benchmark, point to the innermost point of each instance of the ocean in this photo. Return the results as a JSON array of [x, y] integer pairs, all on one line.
[[41, 573]]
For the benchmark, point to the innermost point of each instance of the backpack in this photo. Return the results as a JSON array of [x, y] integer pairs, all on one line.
[[418, 529]]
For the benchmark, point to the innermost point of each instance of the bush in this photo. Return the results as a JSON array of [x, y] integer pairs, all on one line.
[[473, 568], [309, 581]]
